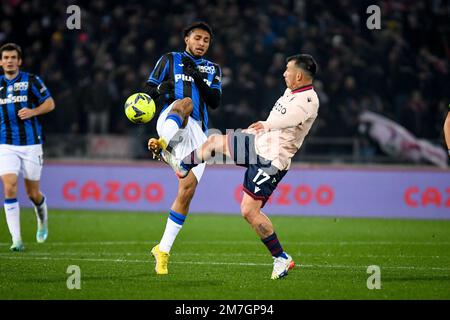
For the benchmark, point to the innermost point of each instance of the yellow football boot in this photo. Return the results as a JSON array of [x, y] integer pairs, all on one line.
[[156, 146], [162, 260]]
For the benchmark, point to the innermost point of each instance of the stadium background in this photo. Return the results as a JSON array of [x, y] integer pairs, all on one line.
[[400, 71]]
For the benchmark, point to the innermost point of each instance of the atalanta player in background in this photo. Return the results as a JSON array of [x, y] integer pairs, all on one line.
[[23, 97], [186, 85]]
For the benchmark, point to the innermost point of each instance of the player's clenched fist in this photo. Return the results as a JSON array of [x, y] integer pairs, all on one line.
[[25, 113], [190, 68]]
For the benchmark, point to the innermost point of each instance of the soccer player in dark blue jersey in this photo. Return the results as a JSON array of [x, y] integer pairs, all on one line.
[[185, 85], [23, 97]]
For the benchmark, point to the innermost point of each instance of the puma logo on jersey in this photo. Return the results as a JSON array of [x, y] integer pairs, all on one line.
[[186, 78]]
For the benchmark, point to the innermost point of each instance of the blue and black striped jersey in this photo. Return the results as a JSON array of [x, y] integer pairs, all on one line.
[[170, 67], [24, 91]]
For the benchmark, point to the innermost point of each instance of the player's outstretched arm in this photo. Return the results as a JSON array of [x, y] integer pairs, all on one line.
[[45, 107]]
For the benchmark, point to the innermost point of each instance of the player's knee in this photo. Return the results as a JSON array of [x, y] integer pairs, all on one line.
[[211, 141], [214, 139], [216, 142], [247, 212], [10, 189], [184, 107]]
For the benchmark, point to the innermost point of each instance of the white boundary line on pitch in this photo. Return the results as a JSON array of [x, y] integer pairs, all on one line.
[[218, 242], [224, 263], [236, 254]]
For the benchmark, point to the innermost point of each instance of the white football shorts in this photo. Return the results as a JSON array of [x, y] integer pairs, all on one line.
[[186, 140], [27, 160]]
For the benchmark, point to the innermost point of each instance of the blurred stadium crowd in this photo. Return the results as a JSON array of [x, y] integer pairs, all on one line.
[[400, 71]]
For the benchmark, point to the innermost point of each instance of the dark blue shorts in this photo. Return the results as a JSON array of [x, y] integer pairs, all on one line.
[[261, 177]]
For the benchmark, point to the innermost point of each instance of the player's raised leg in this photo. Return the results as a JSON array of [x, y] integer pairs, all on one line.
[[216, 144], [213, 146], [12, 210], [251, 211], [40, 208], [175, 221], [175, 120]]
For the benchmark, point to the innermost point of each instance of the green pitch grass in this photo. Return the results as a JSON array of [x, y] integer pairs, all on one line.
[[219, 257]]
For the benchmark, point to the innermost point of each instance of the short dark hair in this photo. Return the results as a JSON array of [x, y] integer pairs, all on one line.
[[305, 62], [197, 25], [11, 47]]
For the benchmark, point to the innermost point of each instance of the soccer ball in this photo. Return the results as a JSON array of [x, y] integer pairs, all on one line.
[[140, 108]]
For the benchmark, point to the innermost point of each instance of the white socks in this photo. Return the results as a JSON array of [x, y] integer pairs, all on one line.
[[41, 211], [171, 126], [174, 224], [12, 212]]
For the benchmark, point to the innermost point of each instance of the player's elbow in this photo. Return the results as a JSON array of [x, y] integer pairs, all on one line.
[[183, 106], [248, 212], [50, 104], [152, 90], [214, 106], [214, 101]]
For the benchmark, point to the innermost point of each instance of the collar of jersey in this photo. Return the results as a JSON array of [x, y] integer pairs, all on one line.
[[304, 88], [13, 79], [197, 60]]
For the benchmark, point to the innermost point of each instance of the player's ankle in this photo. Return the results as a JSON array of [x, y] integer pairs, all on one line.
[[162, 143]]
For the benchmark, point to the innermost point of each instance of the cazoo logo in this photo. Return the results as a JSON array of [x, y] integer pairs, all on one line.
[[13, 99]]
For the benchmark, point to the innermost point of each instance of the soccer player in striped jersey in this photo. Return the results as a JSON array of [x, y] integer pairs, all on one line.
[[23, 97], [185, 84]]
